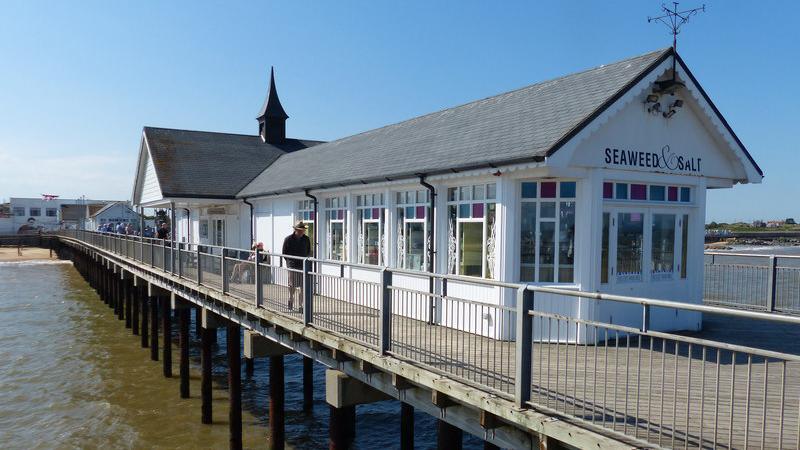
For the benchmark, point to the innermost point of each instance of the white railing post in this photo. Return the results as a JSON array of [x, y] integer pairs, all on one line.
[[257, 278], [180, 268], [308, 293], [385, 332], [524, 350], [222, 271], [199, 270]]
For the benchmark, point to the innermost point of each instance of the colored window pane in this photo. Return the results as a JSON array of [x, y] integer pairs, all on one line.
[[608, 190], [463, 211], [549, 189], [685, 194], [477, 210], [341, 214], [638, 192], [672, 193], [657, 193], [528, 190], [567, 189], [420, 212], [376, 213], [409, 212], [622, 191]]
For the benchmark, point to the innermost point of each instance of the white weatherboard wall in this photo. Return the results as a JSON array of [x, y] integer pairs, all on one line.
[[150, 188]]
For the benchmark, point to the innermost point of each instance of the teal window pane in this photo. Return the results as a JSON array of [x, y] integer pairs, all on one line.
[[567, 189], [463, 211], [409, 212], [622, 191], [685, 194], [657, 193], [528, 190]]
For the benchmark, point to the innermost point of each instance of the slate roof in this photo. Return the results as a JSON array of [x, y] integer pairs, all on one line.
[[522, 125], [200, 164], [109, 206]]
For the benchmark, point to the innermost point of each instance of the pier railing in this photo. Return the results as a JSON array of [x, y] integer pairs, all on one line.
[[758, 282], [621, 371]]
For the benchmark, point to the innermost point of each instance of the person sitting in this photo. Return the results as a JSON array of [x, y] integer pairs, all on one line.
[[242, 270]]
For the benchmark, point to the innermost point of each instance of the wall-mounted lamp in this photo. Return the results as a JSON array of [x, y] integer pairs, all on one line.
[[677, 104], [655, 108], [669, 113], [652, 98]]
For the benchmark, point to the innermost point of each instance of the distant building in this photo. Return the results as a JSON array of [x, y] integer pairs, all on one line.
[[759, 224], [790, 221], [114, 212], [775, 223]]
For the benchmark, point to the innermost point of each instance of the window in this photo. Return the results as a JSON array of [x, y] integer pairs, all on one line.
[[630, 237], [662, 247], [36, 212], [604, 252], [644, 192], [369, 214], [471, 230], [684, 243], [19, 211], [413, 238], [51, 212], [305, 213], [203, 229], [336, 220], [547, 227], [218, 232]]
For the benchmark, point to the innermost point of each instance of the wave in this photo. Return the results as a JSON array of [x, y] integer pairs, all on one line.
[[35, 262]]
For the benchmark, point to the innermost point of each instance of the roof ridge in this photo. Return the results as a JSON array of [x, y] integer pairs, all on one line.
[[473, 102], [148, 127]]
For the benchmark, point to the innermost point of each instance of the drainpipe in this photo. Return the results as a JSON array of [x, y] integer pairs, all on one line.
[[316, 228], [252, 234], [431, 242], [188, 225]]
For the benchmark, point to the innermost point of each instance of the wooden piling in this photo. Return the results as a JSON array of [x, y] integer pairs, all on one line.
[[183, 336], [166, 329], [489, 446], [128, 293], [308, 384], [449, 437], [135, 299], [205, 373], [406, 426], [277, 434], [248, 367], [154, 328], [145, 322], [341, 427], [234, 385]]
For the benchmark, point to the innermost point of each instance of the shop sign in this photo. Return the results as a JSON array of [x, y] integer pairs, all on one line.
[[665, 159]]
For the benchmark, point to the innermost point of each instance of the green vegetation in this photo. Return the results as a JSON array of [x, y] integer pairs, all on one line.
[[749, 227]]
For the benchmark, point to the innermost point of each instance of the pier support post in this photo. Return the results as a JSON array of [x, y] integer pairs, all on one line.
[[209, 327], [449, 437], [341, 427], [489, 446], [128, 291], [119, 294], [153, 300], [277, 435], [248, 367], [234, 385], [183, 337], [406, 426], [308, 384], [145, 316], [166, 329], [135, 299], [343, 393]]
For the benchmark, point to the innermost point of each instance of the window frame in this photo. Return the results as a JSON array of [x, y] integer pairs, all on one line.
[[47, 212], [457, 202], [18, 211], [403, 222], [362, 223], [556, 220], [340, 205], [35, 211]]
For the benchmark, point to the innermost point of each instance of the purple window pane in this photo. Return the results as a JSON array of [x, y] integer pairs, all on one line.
[[376, 213], [340, 214], [477, 210], [548, 189], [638, 192], [672, 194], [608, 190], [420, 212], [311, 215]]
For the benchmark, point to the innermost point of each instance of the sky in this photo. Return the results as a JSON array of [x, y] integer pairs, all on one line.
[[79, 80]]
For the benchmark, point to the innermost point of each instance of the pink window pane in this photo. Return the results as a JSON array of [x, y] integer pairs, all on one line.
[[477, 210], [548, 189], [376, 213], [340, 214], [420, 212], [672, 193], [638, 192], [608, 190]]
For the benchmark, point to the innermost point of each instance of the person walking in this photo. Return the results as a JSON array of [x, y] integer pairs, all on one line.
[[297, 245], [163, 232]]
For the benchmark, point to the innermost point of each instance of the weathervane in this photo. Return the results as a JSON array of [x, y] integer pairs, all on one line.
[[674, 19]]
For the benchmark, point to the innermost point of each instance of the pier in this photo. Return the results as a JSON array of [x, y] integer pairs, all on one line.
[[571, 383]]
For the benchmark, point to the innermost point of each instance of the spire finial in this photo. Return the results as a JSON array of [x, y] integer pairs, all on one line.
[[272, 117], [674, 19]]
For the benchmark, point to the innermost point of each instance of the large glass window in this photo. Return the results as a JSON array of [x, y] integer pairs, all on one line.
[[336, 221], [471, 230], [412, 233], [547, 232], [305, 213], [218, 232], [369, 214], [630, 237], [662, 246]]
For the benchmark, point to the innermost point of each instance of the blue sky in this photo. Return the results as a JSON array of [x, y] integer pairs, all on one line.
[[78, 80]]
